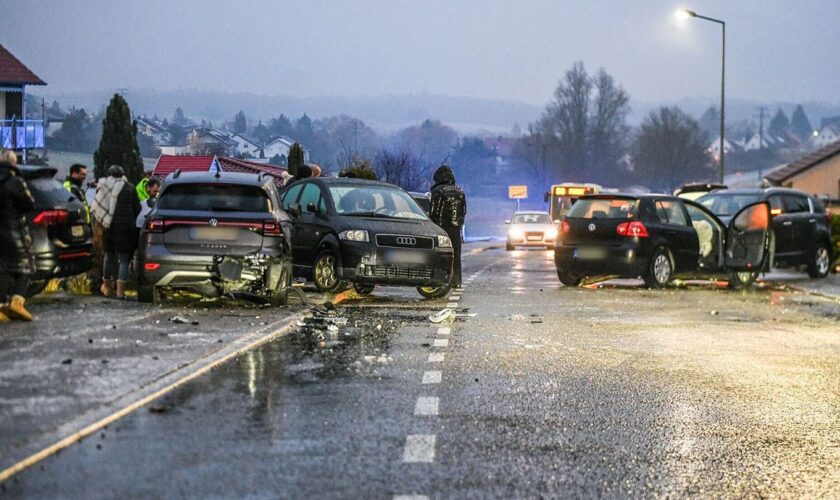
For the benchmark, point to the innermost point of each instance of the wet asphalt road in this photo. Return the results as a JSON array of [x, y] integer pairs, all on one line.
[[548, 391]]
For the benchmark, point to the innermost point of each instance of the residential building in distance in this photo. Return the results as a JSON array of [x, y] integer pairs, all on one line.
[[17, 132], [817, 173]]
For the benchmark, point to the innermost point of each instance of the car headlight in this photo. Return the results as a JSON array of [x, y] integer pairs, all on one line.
[[444, 242], [551, 233], [354, 235], [516, 233]]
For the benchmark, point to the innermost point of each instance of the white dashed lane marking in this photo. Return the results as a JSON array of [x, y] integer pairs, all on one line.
[[441, 343], [444, 330], [426, 406], [432, 377], [419, 448], [452, 305], [436, 357]]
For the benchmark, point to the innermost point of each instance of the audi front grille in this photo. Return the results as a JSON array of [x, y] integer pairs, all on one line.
[[404, 241]]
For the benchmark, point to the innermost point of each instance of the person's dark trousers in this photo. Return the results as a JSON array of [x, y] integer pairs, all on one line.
[[454, 234], [13, 284]]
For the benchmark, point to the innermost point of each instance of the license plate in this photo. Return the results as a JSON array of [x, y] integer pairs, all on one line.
[[534, 238], [214, 233], [590, 253], [77, 231], [405, 258]]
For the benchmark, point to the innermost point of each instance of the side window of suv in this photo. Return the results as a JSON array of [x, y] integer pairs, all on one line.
[[795, 204], [311, 194], [290, 196]]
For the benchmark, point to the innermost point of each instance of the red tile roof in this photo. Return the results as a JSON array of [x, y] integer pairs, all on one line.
[[167, 164], [804, 163], [250, 167], [12, 71]]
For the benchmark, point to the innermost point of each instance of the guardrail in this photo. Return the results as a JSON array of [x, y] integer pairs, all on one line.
[[21, 134]]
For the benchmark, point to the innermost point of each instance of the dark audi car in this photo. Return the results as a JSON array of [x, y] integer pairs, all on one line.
[[659, 237], [61, 237], [800, 226], [367, 233], [216, 234]]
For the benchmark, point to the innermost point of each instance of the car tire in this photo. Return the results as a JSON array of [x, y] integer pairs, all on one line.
[[148, 294], [568, 279], [325, 272], [281, 297], [819, 263], [36, 287], [509, 247], [434, 292], [660, 269], [363, 289], [742, 280]]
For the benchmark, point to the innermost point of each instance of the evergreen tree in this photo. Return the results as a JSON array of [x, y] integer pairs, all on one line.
[[178, 117], [800, 124], [118, 145], [281, 126], [778, 124], [261, 133], [240, 125], [295, 158]]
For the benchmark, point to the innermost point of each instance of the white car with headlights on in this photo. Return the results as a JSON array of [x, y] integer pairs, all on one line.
[[531, 229]]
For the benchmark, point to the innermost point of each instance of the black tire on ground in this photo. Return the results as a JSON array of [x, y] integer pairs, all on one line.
[[36, 287], [325, 272], [660, 269], [819, 263], [568, 279], [148, 294], [363, 289], [509, 247], [437, 292], [742, 280]]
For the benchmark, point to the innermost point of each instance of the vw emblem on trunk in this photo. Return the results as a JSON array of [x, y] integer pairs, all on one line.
[[213, 222], [591, 228], [406, 240]]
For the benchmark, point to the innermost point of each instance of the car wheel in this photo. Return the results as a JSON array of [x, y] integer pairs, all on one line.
[[36, 287], [660, 269], [568, 279], [363, 289], [148, 294], [325, 273], [434, 292], [742, 280], [819, 264], [509, 247]]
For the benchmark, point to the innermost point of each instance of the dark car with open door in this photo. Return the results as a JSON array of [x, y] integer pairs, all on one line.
[[366, 233], [658, 238]]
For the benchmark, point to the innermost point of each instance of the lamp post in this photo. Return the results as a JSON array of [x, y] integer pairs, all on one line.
[[691, 13]]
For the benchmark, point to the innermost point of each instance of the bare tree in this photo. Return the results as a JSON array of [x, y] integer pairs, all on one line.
[[404, 169]]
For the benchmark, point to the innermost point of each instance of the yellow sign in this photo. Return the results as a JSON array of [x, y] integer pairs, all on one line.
[[517, 192]]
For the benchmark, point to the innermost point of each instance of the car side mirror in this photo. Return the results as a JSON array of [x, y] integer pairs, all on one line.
[[507, 221], [310, 207], [294, 210]]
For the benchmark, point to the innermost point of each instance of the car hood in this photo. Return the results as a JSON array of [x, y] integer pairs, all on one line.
[[376, 226]]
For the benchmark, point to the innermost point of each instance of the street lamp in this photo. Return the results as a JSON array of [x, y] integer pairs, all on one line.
[[685, 14]]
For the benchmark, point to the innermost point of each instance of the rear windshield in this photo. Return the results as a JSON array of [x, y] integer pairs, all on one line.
[[214, 198], [604, 208], [49, 193], [531, 219], [727, 204]]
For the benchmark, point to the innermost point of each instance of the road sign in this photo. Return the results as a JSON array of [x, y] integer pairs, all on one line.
[[517, 192]]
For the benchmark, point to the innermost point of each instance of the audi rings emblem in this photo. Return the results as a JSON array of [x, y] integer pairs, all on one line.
[[406, 240], [213, 222], [591, 228]]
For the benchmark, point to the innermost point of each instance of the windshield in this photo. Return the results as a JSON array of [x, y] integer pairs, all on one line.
[[214, 198], [727, 204], [375, 201], [531, 219], [604, 208]]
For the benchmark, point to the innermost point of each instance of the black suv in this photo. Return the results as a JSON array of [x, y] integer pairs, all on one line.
[[367, 233], [801, 228], [214, 234], [61, 237]]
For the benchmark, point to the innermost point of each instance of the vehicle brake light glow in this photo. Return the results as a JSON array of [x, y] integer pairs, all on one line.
[[151, 266], [633, 229], [49, 217], [155, 225], [271, 227]]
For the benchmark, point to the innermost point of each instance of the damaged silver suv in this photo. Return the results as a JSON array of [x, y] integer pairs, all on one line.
[[216, 234]]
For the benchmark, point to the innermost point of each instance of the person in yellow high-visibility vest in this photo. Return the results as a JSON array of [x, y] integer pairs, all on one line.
[[142, 193], [73, 184]]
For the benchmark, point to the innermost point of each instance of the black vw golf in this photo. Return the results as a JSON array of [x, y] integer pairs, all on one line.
[[367, 233], [660, 237]]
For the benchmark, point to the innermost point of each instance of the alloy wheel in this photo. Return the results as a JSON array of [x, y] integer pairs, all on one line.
[[325, 271], [822, 260], [662, 268]]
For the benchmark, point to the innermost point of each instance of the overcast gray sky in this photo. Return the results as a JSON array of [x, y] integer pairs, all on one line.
[[776, 50]]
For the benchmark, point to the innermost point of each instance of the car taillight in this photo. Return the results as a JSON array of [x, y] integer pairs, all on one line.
[[151, 266], [49, 217], [154, 225], [565, 227], [632, 229], [272, 228]]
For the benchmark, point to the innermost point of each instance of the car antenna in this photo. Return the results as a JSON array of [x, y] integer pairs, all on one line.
[[177, 173]]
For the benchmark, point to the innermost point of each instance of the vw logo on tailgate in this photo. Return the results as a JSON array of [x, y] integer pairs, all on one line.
[[213, 222], [406, 241], [591, 228]]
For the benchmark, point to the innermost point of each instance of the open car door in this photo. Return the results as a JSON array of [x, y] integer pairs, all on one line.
[[747, 238]]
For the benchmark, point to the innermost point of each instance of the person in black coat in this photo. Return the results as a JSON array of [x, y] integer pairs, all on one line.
[[16, 257], [116, 207], [448, 210]]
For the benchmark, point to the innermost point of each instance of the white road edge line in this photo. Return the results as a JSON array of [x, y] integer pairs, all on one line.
[[426, 406], [432, 377], [419, 448]]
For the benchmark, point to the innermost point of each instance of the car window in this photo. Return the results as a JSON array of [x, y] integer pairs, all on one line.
[[727, 204], [311, 194], [776, 205], [214, 198], [818, 206], [604, 208], [290, 196], [531, 219], [48, 193], [795, 203], [670, 212]]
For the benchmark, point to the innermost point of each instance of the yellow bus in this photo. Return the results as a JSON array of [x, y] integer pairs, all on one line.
[[561, 197]]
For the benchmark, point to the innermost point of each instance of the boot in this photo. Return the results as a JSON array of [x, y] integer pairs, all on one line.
[[120, 289], [16, 309], [105, 289]]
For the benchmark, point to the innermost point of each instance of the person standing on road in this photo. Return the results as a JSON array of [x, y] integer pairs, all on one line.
[[16, 257], [448, 210], [116, 208], [146, 206], [73, 184]]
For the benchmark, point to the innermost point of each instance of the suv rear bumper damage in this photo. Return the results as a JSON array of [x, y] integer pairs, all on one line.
[[255, 273]]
